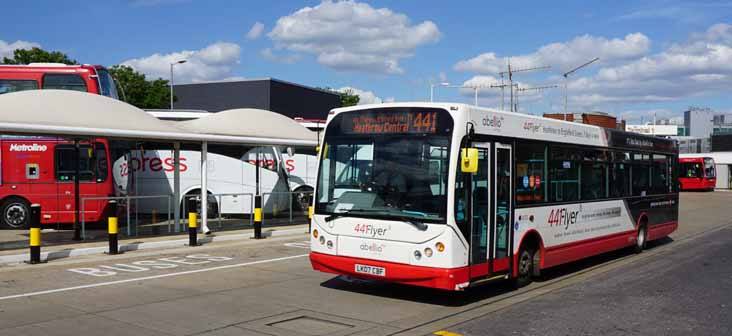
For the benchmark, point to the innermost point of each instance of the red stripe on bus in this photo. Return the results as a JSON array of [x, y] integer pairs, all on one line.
[[433, 277]]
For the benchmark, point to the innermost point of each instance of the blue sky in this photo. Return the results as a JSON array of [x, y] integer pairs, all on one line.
[[656, 57]]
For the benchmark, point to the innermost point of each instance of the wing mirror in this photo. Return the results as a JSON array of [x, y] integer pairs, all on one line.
[[469, 160]]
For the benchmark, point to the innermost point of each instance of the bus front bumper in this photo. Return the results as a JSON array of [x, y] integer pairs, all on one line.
[[441, 278]]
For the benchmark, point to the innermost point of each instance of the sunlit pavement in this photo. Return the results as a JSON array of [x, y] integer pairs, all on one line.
[[268, 288]]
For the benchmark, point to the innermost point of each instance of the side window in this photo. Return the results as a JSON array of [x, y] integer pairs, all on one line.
[[620, 174], [594, 175], [641, 174], [661, 178], [64, 82], [100, 155], [15, 85], [65, 170], [709, 171], [531, 171], [564, 175]]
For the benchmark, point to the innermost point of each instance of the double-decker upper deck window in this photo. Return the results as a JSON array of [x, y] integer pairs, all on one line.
[[15, 85], [64, 82]]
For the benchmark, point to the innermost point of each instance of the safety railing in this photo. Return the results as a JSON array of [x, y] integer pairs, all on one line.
[[274, 213], [148, 215], [231, 204]]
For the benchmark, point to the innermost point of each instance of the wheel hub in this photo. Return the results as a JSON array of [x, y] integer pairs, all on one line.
[[15, 214]]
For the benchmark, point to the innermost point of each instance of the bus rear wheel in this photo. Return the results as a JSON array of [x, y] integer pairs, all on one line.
[[641, 238], [15, 213]]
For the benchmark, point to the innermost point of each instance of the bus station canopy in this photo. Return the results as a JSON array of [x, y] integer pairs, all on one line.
[[72, 113], [250, 122]]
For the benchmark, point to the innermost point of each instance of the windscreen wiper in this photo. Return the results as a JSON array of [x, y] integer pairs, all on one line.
[[348, 213], [419, 225]]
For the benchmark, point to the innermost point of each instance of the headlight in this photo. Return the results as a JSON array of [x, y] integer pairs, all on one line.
[[330, 244], [440, 247], [315, 233], [417, 255], [428, 252], [322, 240]]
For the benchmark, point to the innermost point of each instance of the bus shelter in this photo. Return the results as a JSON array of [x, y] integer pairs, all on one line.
[[78, 115]]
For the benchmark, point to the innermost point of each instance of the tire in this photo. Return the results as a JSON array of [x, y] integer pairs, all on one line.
[[302, 198], [213, 206], [641, 238], [525, 267], [15, 213]]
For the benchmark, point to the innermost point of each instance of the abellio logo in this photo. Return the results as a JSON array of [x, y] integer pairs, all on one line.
[[373, 248], [28, 148], [493, 121]]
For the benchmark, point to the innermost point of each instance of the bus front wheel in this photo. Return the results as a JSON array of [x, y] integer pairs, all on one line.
[[525, 267], [15, 213], [641, 238]]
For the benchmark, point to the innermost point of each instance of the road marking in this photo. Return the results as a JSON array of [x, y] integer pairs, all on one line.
[[303, 244], [160, 276], [446, 333], [148, 265]]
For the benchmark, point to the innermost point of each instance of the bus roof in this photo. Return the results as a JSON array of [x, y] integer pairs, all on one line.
[[512, 124]]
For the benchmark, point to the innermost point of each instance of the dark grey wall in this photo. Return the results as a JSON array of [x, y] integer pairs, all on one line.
[[288, 99], [215, 97], [722, 143], [297, 101]]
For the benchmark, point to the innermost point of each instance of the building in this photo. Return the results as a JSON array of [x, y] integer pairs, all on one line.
[[699, 122], [688, 144], [290, 99], [596, 118]]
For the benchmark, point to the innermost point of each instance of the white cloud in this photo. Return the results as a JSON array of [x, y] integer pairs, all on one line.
[[268, 54], [563, 56], [353, 36], [214, 62], [6, 49], [701, 66], [365, 97], [256, 31]]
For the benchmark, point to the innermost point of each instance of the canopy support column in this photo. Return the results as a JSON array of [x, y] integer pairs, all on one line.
[[204, 187], [77, 174], [176, 186]]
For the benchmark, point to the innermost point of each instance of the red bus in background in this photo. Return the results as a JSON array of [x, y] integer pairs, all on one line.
[[697, 173], [85, 78], [41, 170]]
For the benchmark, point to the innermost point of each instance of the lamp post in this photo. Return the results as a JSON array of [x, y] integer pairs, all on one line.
[[432, 90], [565, 82], [171, 80]]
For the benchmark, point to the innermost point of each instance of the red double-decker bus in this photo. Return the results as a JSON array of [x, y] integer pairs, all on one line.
[[697, 173], [41, 169], [85, 78]]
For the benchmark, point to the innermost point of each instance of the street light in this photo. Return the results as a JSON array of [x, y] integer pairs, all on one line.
[[565, 82], [432, 89], [171, 80]]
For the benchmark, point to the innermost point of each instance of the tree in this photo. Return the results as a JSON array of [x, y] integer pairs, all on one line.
[[37, 55], [348, 98], [139, 91]]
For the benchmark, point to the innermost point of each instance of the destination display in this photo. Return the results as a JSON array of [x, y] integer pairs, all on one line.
[[395, 121]]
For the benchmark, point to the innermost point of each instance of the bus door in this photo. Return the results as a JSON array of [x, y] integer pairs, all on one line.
[[499, 252], [65, 173], [480, 212]]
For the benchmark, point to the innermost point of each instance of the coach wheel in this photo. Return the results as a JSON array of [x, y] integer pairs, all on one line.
[[642, 237], [525, 267], [302, 198], [213, 207], [15, 213]]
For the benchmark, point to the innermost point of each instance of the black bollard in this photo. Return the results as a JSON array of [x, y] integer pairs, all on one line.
[[258, 217], [112, 228], [192, 224], [35, 234]]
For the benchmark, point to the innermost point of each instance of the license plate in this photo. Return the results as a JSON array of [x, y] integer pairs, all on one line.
[[372, 270]]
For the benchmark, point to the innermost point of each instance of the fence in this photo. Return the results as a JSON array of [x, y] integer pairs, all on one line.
[[129, 204]]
